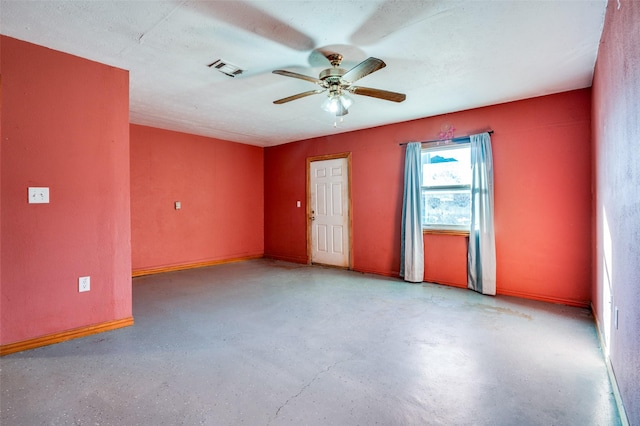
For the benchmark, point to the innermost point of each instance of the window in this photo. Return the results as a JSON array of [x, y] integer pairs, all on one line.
[[446, 187]]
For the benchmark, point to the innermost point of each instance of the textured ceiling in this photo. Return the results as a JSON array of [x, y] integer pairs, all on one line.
[[445, 55]]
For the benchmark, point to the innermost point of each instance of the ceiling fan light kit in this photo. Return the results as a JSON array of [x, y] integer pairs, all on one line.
[[338, 82], [337, 104]]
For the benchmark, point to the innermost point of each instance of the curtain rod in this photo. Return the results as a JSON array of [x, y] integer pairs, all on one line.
[[458, 139]]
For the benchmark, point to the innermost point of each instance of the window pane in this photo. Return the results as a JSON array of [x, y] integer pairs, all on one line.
[[446, 166], [446, 180], [451, 208]]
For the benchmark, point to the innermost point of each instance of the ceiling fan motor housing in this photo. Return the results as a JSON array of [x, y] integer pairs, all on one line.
[[331, 74], [332, 78]]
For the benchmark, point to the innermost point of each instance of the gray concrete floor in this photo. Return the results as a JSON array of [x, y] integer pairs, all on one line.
[[272, 343]]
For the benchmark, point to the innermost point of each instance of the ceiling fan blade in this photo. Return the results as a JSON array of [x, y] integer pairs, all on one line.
[[298, 96], [300, 76], [377, 93], [364, 68]]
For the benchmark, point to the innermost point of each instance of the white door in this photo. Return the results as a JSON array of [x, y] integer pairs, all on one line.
[[329, 187]]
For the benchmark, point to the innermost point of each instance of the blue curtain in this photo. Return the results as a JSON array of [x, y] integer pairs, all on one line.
[[411, 244], [482, 240]]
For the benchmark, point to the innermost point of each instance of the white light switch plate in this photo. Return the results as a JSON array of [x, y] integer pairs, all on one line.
[[38, 195], [84, 284]]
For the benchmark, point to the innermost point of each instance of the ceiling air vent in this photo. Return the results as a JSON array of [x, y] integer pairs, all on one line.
[[226, 68]]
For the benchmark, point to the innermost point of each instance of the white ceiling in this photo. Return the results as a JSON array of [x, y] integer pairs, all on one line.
[[445, 55]]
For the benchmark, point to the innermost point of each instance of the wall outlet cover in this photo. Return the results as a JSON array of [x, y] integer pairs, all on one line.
[[38, 195]]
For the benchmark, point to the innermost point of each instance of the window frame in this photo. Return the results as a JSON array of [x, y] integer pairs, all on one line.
[[444, 228]]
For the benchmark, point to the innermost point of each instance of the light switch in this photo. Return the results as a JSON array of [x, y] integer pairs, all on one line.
[[84, 284], [298, 204], [178, 205], [38, 195]]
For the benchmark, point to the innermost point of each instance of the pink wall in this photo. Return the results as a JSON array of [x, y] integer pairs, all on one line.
[[1, 39], [375, 175], [542, 195], [220, 187], [616, 135], [445, 259], [64, 125]]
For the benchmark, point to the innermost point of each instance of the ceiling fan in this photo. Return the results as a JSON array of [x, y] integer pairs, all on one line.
[[338, 82]]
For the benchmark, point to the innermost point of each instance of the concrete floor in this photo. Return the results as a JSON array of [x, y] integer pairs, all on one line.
[[272, 343]]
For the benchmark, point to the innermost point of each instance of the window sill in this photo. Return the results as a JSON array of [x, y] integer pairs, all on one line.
[[456, 232]]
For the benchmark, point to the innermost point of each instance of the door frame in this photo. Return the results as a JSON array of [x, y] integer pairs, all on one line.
[[310, 160]]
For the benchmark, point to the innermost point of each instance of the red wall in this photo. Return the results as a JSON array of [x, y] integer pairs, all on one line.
[[220, 186], [542, 196], [64, 125], [375, 175], [616, 108], [445, 259]]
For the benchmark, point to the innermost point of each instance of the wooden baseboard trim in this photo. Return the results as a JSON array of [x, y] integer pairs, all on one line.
[[290, 259], [182, 267], [63, 336], [445, 283], [557, 300], [376, 272]]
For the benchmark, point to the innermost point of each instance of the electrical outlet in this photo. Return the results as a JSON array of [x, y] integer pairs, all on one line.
[[38, 195], [84, 284]]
